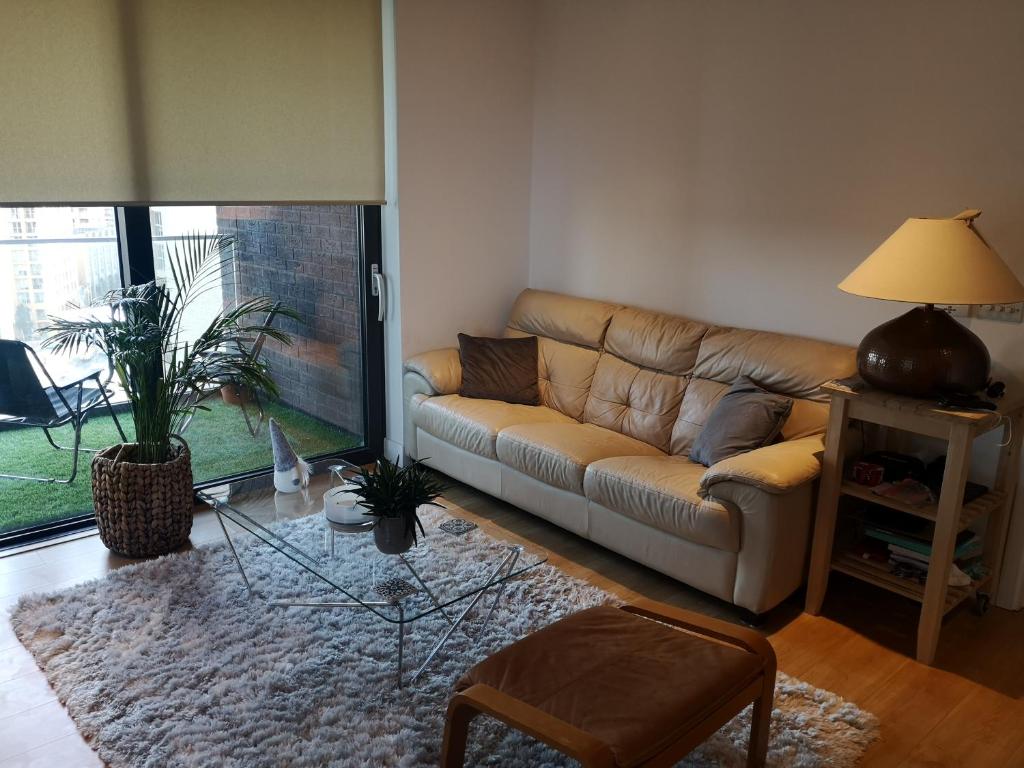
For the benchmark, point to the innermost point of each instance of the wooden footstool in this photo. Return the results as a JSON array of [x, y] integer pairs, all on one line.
[[617, 687]]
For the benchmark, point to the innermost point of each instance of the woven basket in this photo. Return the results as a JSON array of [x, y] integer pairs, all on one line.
[[142, 510]]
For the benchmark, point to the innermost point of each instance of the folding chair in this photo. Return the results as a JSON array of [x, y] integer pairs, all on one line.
[[28, 401], [241, 397]]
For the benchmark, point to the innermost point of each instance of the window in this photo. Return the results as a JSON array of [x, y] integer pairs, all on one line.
[[313, 259]]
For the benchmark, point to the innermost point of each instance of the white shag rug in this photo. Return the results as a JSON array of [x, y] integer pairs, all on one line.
[[169, 663]]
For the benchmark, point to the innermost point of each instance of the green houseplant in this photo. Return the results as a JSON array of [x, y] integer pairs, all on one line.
[[392, 494], [142, 491]]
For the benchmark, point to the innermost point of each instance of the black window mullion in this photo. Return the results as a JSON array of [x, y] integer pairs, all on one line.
[[136, 240], [373, 333]]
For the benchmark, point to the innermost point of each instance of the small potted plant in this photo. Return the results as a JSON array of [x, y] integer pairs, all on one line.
[[392, 494]]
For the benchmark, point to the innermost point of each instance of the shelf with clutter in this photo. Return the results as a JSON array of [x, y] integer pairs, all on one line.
[[915, 527], [887, 525]]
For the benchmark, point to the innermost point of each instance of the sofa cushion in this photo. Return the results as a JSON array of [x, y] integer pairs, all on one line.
[[499, 369], [564, 373], [789, 365], [665, 343], [699, 400], [746, 418], [808, 417], [662, 491], [558, 454], [561, 317], [635, 401], [474, 424]]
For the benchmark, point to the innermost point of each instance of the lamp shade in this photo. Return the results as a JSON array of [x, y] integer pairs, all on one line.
[[936, 261]]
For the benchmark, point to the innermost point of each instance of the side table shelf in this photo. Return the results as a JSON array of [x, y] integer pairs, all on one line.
[[970, 512], [949, 514], [880, 575]]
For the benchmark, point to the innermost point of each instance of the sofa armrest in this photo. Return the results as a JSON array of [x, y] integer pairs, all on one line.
[[777, 468], [441, 368]]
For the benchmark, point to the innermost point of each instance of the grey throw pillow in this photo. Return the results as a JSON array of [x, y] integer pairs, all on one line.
[[747, 417]]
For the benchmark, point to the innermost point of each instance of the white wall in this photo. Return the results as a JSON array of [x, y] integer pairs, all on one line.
[[734, 161], [391, 262], [464, 74], [458, 122]]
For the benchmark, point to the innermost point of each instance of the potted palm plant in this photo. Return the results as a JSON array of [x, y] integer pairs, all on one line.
[[142, 491], [392, 494]]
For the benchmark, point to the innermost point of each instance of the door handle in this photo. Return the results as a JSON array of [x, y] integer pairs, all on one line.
[[379, 288]]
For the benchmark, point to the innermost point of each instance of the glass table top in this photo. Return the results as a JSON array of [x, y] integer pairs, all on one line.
[[283, 547]]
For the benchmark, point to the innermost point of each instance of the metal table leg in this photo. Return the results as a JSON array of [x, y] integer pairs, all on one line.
[[503, 568], [234, 553], [426, 589], [401, 643]]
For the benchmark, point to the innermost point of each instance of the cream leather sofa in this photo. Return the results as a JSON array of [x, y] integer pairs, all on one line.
[[624, 394]]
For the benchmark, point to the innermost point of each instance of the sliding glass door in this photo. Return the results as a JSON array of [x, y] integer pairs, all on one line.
[[307, 259], [314, 260]]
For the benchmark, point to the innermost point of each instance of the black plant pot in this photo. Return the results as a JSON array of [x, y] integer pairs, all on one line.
[[391, 536]]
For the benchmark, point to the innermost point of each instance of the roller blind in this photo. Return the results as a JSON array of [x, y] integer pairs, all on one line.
[[190, 101]]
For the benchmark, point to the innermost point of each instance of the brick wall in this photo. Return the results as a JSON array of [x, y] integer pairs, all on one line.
[[306, 256]]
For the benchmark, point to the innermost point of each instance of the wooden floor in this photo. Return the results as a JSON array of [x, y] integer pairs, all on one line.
[[966, 711]]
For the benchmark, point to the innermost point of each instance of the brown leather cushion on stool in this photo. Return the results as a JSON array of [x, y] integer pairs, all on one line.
[[635, 684]]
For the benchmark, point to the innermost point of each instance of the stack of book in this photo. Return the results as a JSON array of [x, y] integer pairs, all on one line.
[[909, 555]]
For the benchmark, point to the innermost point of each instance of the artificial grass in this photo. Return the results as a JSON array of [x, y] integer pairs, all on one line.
[[220, 444]]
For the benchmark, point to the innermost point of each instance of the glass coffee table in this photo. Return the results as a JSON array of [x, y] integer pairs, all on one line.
[[452, 574]]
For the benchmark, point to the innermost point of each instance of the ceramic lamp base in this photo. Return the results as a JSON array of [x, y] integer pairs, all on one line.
[[924, 353]]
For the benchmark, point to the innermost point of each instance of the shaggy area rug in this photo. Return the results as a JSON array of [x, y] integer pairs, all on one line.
[[169, 663]]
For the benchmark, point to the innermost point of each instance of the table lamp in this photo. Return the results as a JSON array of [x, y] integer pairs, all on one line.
[[925, 352]]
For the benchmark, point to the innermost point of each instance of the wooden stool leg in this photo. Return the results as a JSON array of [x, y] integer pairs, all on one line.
[[456, 730], [760, 722]]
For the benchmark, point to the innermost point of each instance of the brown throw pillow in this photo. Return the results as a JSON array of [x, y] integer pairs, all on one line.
[[747, 417], [499, 369]]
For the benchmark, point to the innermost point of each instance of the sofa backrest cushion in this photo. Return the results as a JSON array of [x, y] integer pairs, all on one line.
[[656, 377], [789, 365], [652, 340], [563, 318], [570, 333], [643, 373]]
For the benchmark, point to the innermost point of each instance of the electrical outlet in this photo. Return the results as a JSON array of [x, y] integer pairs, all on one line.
[[955, 310], [1008, 313]]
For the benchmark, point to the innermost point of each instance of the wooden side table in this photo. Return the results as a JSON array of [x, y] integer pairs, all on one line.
[[950, 514]]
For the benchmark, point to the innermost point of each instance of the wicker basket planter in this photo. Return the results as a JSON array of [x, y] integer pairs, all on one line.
[[142, 510]]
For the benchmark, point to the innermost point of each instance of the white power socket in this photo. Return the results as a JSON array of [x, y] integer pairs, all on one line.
[[1008, 313]]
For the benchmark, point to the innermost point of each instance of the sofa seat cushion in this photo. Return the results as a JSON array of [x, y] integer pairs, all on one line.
[[473, 424], [661, 491], [558, 454]]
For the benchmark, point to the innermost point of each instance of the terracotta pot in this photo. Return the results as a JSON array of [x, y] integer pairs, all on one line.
[[232, 394], [142, 510], [391, 537]]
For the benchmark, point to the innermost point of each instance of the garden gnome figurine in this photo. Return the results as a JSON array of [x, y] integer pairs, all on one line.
[[291, 473]]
